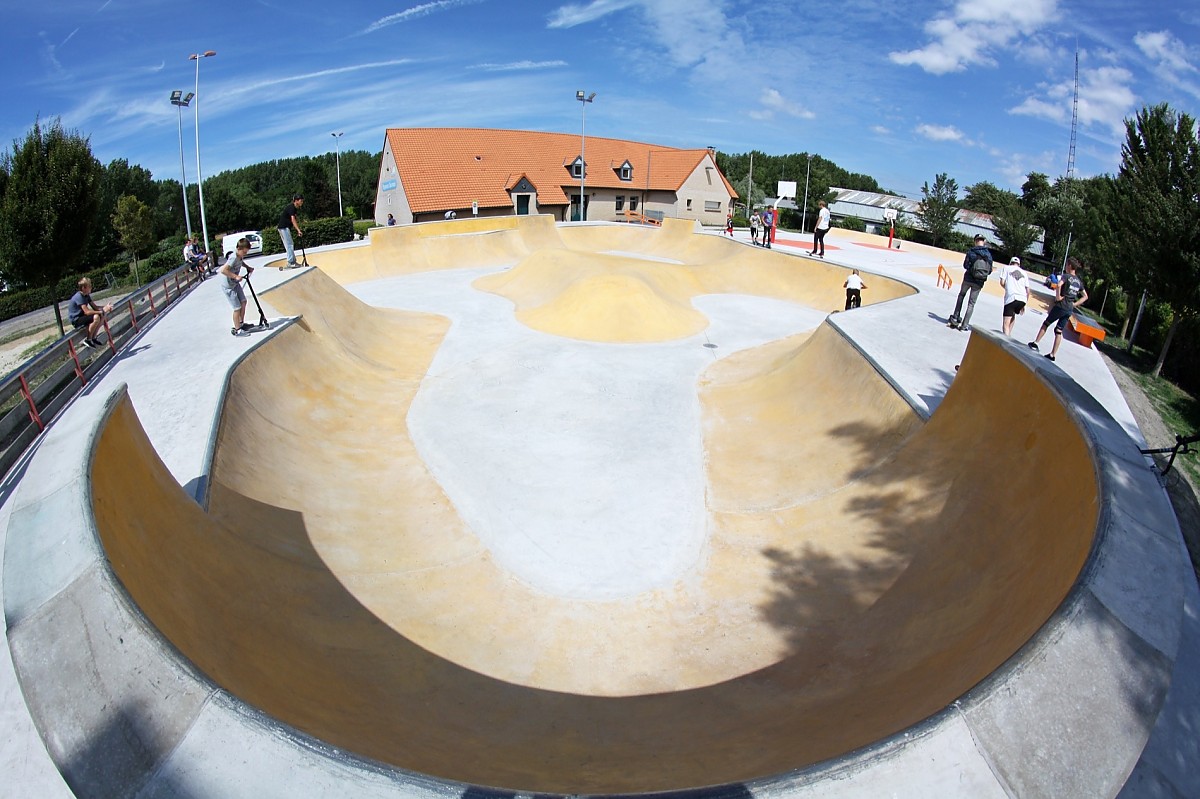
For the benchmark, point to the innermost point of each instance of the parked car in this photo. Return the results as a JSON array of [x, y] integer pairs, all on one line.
[[229, 242]]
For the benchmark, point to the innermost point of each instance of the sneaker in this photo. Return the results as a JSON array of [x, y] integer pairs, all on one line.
[[1050, 355], [236, 331], [87, 342], [248, 326], [812, 253], [1033, 346]]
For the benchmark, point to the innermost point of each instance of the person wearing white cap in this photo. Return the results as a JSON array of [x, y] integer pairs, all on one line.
[[1016, 294]]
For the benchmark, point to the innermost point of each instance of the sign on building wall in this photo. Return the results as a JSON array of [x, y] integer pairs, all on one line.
[[388, 185]]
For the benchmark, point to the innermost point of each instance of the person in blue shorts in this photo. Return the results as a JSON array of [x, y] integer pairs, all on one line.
[[1069, 294]]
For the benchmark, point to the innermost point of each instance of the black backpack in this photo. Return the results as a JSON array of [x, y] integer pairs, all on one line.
[[981, 270]]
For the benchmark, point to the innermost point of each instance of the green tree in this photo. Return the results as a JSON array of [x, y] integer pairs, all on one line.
[[1158, 192], [1058, 213], [1015, 228], [1034, 190], [134, 223], [987, 198], [939, 208], [49, 205], [118, 179]]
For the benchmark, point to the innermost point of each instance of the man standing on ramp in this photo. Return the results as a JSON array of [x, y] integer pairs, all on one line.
[[287, 221], [977, 268]]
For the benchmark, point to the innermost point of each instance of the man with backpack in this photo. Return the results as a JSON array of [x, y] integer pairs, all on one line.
[[977, 268], [1068, 294]]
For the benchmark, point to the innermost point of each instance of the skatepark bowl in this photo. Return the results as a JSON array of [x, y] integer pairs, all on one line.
[[488, 512]]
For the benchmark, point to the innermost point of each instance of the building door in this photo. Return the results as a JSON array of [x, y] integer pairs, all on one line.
[[522, 204], [575, 217]]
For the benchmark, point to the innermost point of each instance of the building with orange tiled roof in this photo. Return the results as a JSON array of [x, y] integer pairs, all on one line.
[[427, 172]]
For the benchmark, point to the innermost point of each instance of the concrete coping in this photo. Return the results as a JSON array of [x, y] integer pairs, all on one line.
[[122, 712]]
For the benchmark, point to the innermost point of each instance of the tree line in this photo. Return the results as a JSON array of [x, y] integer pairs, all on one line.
[[63, 212]]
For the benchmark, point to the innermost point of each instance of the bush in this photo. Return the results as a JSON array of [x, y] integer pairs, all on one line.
[[363, 227], [159, 264], [852, 223], [331, 230]]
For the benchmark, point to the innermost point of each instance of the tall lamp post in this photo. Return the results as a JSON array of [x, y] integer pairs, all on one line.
[[579, 95], [804, 212], [181, 101], [200, 175], [337, 141]]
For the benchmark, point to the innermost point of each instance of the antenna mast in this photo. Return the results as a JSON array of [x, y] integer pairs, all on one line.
[[1074, 118]]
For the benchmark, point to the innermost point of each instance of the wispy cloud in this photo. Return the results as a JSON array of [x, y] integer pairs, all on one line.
[[772, 103], [1106, 97], [941, 133], [1171, 60], [880, 130], [308, 76], [416, 12], [518, 66], [686, 31], [973, 30], [577, 14]]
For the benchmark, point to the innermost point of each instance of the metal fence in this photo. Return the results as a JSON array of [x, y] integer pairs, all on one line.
[[34, 393]]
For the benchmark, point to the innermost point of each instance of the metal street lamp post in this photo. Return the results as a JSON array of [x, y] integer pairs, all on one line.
[[804, 212], [200, 175], [337, 141], [579, 95], [181, 101]]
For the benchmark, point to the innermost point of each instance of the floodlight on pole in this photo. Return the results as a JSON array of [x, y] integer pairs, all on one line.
[[181, 101], [199, 174], [337, 140], [580, 96]]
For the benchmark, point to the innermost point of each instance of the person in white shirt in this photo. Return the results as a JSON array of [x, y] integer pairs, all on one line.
[[820, 230], [1016, 294], [854, 286]]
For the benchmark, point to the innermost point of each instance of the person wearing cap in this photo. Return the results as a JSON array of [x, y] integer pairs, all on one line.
[[1016, 294], [287, 221], [971, 283]]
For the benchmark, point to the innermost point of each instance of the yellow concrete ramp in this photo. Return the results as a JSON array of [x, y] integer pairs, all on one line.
[[863, 570]]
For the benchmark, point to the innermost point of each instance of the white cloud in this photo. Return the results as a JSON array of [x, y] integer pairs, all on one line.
[[687, 31], [973, 30], [1105, 99], [1164, 48], [941, 133], [416, 12], [516, 66], [881, 130], [775, 103], [1171, 57], [571, 15]]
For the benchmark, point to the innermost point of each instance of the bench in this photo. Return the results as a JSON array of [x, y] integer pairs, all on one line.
[[1087, 329]]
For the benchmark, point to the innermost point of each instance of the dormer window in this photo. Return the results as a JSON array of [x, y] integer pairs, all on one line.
[[577, 168], [625, 171]]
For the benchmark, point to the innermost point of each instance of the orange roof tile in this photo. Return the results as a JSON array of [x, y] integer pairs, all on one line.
[[449, 168]]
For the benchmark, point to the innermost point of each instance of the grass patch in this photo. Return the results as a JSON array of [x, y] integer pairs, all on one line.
[[34, 349], [1180, 412]]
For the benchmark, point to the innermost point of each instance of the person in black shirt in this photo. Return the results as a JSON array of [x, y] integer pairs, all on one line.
[[287, 221], [1068, 295]]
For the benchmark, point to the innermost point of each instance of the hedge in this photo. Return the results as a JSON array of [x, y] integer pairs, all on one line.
[[332, 230]]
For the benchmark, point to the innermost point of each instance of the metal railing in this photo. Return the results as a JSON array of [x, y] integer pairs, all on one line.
[[34, 393]]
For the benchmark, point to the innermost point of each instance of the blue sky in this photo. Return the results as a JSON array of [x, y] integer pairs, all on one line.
[[979, 89]]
